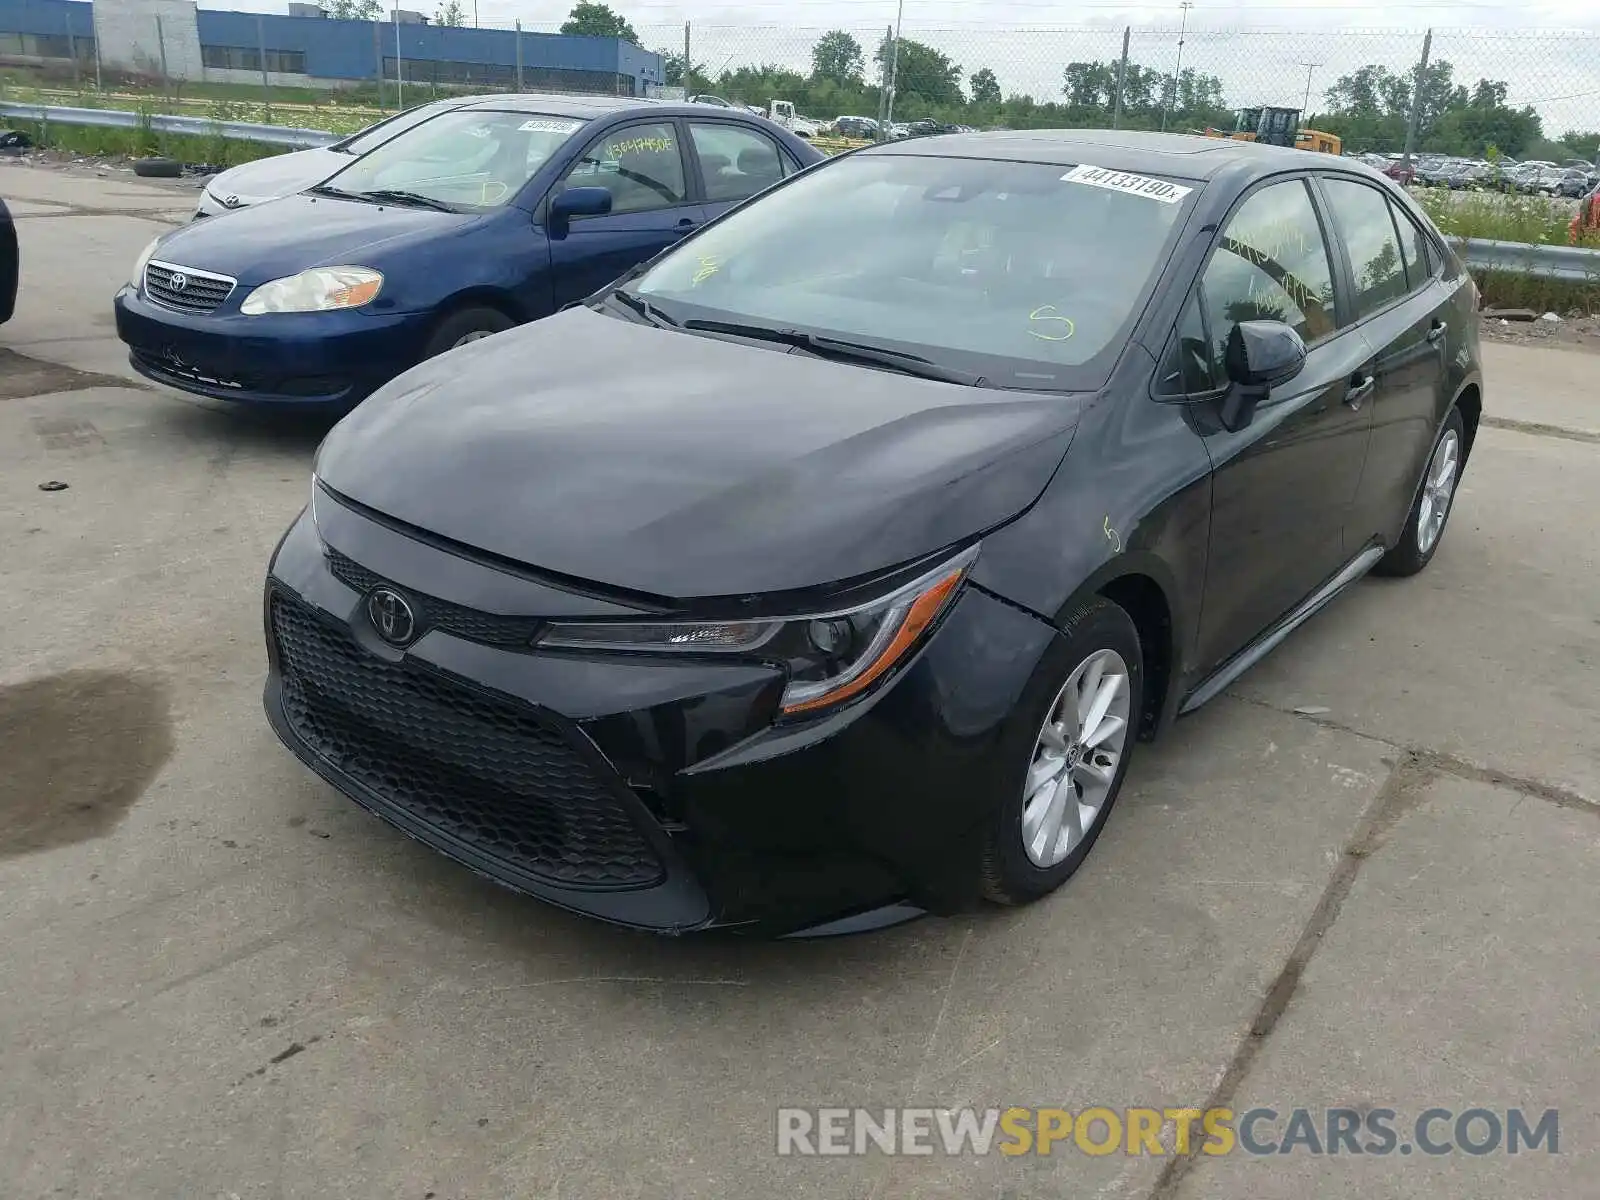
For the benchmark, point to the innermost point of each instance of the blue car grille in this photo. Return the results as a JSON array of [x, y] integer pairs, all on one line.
[[186, 289]]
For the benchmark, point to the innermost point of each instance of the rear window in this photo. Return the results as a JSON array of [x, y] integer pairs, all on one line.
[[1028, 274]]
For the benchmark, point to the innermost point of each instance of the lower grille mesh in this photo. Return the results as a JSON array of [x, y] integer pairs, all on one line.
[[487, 771]]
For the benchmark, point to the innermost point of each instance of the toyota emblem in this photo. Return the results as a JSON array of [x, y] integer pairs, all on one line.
[[178, 281], [391, 616]]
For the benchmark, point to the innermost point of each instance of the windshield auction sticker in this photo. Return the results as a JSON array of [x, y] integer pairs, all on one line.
[[1122, 181], [548, 125]]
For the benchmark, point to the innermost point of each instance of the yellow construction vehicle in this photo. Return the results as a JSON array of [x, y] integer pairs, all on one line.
[[1279, 127]]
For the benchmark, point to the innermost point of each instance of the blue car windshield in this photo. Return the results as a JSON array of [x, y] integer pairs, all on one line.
[[465, 159], [1027, 274]]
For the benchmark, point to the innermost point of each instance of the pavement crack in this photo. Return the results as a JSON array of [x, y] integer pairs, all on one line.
[[1442, 763], [1539, 429], [1401, 792]]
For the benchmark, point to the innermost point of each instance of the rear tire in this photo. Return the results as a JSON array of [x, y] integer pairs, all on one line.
[[1430, 511], [1066, 722], [464, 326]]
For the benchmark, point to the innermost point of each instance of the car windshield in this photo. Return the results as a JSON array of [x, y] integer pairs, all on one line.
[[376, 135], [1026, 274], [465, 159]]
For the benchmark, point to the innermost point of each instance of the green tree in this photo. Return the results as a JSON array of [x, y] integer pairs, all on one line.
[[356, 10], [922, 72], [676, 76], [451, 13], [985, 88], [1089, 84], [838, 56], [589, 19]]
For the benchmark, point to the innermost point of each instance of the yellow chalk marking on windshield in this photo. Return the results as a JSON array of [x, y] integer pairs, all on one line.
[[1048, 312], [709, 266]]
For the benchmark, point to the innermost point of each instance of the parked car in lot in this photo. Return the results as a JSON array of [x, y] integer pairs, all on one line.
[[1438, 172], [285, 174], [839, 557], [10, 262], [488, 214], [856, 127], [1400, 171]]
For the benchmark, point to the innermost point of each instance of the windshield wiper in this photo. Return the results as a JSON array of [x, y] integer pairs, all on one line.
[[323, 189], [413, 199], [841, 350], [644, 308]]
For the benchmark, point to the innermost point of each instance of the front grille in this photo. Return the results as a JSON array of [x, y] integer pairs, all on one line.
[[185, 288], [490, 629], [487, 770]]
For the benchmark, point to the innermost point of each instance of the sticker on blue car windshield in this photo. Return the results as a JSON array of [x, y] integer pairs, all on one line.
[[548, 125], [1128, 183]]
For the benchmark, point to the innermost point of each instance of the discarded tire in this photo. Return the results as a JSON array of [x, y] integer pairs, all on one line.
[[158, 168]]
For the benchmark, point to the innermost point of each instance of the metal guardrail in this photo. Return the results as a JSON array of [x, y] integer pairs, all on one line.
[[111, 118], [1570, 264]]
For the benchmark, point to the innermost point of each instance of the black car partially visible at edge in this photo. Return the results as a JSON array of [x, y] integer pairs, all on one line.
[[830, 567], [9, 264]]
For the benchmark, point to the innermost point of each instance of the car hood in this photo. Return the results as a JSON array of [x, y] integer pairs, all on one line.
[[280, 237], [279, 175], [685, 466]]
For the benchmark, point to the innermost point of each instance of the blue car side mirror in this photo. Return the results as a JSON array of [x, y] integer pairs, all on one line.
[[577, 202]]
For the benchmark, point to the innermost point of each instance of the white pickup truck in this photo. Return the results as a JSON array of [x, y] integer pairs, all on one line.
[[781, 112]]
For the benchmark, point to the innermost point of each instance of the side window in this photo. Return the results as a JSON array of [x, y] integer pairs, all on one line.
[[1188, 368], [1361, 214], [640, 165], [734, 161], [1413, 249], [1271, 264]]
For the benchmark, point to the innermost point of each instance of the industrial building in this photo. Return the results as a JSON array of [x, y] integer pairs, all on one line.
[[305, 48]]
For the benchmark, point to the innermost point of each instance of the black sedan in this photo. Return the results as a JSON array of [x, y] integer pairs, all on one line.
[[830, 567], [9, 264]]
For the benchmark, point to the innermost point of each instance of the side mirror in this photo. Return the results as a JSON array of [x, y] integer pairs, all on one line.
[[1260, 356], [577, 202]]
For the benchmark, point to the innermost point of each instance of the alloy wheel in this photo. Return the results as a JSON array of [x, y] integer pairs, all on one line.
[[1437, 490], [476, 335], [1075, 758]]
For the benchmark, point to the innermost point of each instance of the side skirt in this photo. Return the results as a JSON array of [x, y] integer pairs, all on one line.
[[1269, 641]]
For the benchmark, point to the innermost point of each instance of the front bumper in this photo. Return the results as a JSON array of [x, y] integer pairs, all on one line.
[[332, 358], [654, 794]]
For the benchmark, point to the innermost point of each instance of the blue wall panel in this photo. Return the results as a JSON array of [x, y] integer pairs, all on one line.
[[349, 49]]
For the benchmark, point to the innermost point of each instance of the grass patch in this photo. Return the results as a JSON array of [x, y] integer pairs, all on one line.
[[1508, 289], [144, 142], [1536, 220]]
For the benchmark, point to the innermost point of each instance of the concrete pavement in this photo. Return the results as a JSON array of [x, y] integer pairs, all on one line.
[[221, 979]]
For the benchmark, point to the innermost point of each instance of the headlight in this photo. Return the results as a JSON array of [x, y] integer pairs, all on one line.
[[320, 289], [831, 657], [136, 278]]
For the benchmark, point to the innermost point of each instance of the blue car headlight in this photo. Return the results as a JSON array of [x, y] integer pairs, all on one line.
[[321, 289]]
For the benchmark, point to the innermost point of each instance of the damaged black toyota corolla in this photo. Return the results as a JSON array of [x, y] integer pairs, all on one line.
[[830, 567]]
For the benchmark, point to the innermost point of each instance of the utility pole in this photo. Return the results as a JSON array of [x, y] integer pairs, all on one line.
[[1310, 67], [399, 64], [1416, 99], [687, 69], [1122, 77], [1177, 72], [894, 62]]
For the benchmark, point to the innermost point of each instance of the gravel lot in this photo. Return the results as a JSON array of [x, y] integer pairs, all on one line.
[[1366, 875]]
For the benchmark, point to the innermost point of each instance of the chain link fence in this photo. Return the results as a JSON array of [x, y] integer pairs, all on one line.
[[1523, 94]]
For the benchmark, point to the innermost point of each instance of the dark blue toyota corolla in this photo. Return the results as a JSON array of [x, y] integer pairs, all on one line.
[[471, 222]]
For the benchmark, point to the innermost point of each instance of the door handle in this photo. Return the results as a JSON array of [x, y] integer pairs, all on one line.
[[1440, 328], [1361, 386], [687, 223]]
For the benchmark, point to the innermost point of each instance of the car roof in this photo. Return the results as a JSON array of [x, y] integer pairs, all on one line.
[[588, 107], [1186, 156]]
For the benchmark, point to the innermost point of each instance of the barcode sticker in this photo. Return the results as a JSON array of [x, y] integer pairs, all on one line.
[[1124, 181]]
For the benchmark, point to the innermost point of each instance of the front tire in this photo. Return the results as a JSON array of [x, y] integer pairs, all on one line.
[[1430, 511], [1074, 733], [463, 326]]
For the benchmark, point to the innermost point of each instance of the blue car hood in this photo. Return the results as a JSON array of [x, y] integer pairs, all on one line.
[[281, 237], [684, 466]]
